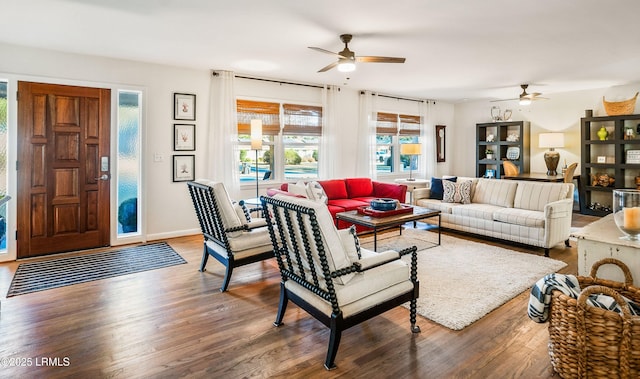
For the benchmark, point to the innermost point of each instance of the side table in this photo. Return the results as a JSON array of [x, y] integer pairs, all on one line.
[[601, 239], [413, 184]]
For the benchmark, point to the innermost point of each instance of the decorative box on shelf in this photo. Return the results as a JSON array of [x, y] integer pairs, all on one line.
[[633, 156]]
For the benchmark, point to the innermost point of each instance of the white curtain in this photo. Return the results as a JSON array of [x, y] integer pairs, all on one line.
[[330, 126], [366, 153], [222, 147], [428, 135]]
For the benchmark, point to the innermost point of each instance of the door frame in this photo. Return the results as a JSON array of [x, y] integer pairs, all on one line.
[[12, 157]]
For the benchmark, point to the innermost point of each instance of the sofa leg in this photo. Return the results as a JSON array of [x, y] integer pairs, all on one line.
[[566, 243], [546, 252]]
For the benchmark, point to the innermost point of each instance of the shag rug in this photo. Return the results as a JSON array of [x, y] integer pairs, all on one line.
[[60, 272], [461, 281]]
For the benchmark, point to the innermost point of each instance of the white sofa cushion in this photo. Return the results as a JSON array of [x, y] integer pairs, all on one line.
[[476, 210], [534, 196], [495, 192], [522, 217], [365, 290], [436, 205]]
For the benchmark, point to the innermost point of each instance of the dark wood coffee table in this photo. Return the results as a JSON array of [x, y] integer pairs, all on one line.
[[381, 223]]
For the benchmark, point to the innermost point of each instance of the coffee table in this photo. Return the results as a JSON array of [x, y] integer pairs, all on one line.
[[381, 223]]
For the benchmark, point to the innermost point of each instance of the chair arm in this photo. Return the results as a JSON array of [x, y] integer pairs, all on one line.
[[256, 223], [421, 193], [378, 259]]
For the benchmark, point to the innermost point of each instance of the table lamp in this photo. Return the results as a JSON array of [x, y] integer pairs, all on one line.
[[551, 157], [410, 149], [256, 144]]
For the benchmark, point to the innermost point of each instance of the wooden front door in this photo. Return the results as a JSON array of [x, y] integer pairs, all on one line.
[[63, 168]]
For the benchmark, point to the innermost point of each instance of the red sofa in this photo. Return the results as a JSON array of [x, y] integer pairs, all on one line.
[[350, 193]]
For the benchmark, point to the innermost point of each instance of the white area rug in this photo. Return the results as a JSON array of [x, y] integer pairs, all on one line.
[[461, 281]]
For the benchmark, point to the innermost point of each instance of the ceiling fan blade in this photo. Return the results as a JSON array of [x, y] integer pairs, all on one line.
[[328, 67], [380, 59], [326, 51], [493, 101]]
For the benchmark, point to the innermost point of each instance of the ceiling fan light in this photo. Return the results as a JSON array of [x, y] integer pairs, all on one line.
[[347, 66], [525, 102]]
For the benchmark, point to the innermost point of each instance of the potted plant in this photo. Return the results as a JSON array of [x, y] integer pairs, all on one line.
[[489, 153]]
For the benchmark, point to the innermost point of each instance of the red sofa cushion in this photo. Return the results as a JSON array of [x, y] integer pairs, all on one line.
[[348, 204], [359, 187], [335, 189]]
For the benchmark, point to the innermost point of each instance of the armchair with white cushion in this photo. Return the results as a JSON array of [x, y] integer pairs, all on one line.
[[327, 273], [230, 234]]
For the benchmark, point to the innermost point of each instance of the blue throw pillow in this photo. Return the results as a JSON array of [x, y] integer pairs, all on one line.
[[437, 189]]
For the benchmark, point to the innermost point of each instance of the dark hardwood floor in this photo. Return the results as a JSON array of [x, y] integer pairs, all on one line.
[[174, 322]]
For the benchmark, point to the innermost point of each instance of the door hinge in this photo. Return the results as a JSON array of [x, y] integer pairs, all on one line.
[[16, 165], [16, 235], [17, 96]]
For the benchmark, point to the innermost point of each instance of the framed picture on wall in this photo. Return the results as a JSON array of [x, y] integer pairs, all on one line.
[[184, 106], [183, 168], [440, 143], [184, 137]]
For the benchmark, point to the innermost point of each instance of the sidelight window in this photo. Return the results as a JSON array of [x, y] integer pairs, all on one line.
[[128, 175]]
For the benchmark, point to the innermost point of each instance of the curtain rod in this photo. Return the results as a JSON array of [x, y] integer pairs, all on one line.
[[398, 98], [274, 81]]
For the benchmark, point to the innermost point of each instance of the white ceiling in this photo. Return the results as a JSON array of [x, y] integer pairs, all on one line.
[[456, 50]]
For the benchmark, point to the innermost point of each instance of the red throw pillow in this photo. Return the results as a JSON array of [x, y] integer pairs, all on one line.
[[359, 187], [335, 189]]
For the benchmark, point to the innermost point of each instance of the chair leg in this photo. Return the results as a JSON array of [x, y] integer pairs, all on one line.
[[227, 277], [546, 252], [412, 316], [566, 243], [334, 342], [282, 307], [205, 258]]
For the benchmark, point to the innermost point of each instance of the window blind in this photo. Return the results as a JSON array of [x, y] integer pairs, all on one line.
[[387, 123], [269, 113], [409, 125], [302, 119]]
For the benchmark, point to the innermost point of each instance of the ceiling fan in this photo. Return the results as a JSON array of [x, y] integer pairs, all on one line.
[[347, 59], [526, 98]]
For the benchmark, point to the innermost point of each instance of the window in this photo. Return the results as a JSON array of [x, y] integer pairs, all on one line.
[[291, 139], [128, 174], [391, 131]]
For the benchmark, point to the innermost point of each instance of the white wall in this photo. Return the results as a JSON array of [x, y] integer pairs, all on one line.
[[561, 113], [167, 208]]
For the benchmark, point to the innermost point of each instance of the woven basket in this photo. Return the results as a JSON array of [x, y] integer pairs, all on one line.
[[616, 108], [587, 341]]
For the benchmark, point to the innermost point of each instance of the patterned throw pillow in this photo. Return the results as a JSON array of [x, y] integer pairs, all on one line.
[[457, 192], [316, 192]]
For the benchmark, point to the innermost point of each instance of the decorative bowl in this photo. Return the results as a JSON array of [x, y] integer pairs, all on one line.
[[383, 204], [626, 212]]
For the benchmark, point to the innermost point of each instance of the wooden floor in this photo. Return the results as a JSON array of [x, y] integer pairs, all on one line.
[[173, 322]]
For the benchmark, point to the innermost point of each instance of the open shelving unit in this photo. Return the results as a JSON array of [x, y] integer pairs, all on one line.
[[607, 157], [501, 146]]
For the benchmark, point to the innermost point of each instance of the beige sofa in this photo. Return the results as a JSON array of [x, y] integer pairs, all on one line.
[[527, 212]]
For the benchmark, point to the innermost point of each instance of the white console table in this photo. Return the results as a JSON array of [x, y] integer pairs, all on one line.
[[601, 239]]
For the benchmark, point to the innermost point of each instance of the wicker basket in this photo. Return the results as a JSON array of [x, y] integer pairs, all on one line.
[[587, 341], [616, 108]]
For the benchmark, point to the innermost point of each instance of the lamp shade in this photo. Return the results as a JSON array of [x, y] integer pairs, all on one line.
[[256, 134], [551, 140], [410, 149]]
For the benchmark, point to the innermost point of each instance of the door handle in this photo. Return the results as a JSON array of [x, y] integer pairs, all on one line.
[[103, 177]]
